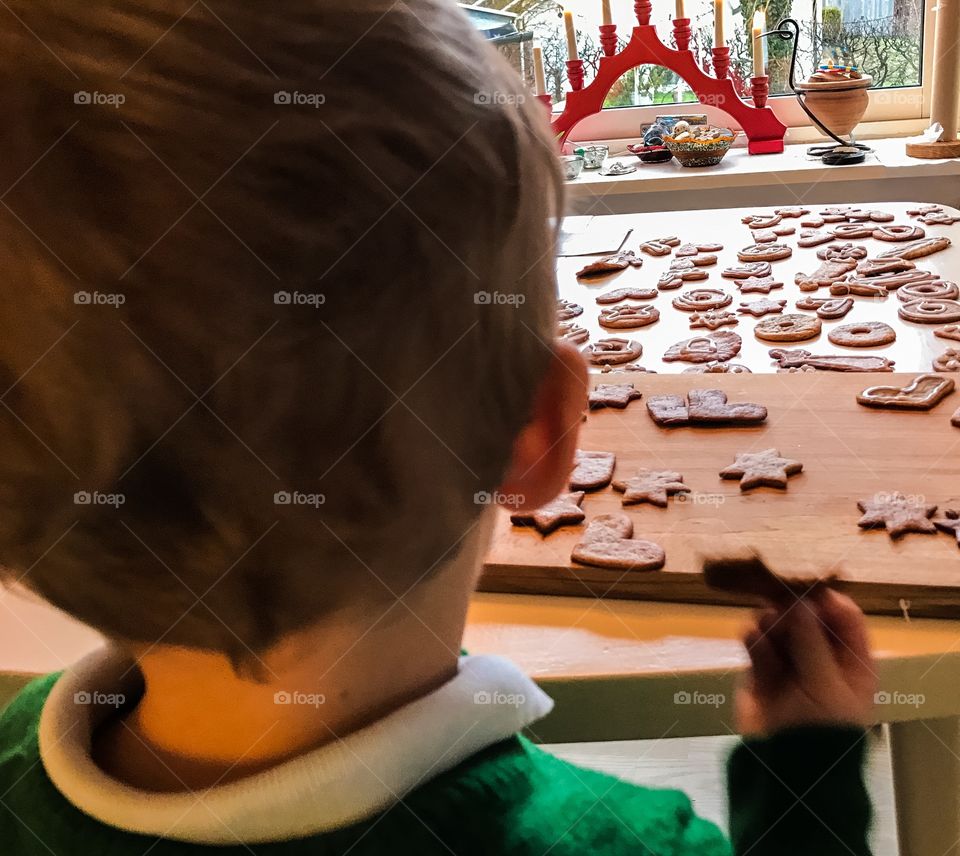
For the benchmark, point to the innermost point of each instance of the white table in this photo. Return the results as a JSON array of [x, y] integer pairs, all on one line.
[[915, 346]]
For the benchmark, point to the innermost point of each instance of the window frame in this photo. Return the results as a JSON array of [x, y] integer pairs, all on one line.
[[895, 104]]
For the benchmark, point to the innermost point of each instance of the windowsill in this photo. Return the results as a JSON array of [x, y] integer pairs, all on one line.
[[740, 169]]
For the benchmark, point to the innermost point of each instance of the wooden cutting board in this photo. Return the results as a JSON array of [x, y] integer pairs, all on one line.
[[849, 452]]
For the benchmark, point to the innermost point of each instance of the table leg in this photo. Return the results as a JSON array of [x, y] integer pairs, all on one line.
[[925, 755]]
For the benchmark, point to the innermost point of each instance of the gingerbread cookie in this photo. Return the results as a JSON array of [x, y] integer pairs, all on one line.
[[917, 249], [719, 346], [846, 231], [769, 236], [934, 289], [612, 351], [898, 233], [592, 470], [792, 211], [861, 288], [949, 522], [750, 269], [712, 320], [567, 310], [842, 253], [668, 411], [811, 304], [704, 407], [764, 253], [766, 469], [922, 393], [758, 285], [826, 274], [797, 358], [814, 237], [761, 221], [659, 246], [701, 299], [923, 210], [608, 543], [940, 218], [879, 267], [836, 308], [676, 277], [759, 308], [862, 334], [717, 368], [814, 221], [930, 311], [609, 265], [788, 328], [629, 367], [653, 486], [570, 332], [896, 513], [617, 395], [948, 361], [749, 575], [563, 511], [695, 249], [620, 294], [951, 331], [710, 407], [629, 317]]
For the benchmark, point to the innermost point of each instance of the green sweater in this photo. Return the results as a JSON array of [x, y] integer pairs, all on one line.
[[796, 793]]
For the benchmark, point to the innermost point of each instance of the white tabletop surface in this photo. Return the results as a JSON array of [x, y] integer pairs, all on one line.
[[913, 350]]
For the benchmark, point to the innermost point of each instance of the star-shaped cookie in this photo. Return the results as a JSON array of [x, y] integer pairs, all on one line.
[[897, 513], [764, 306], [563, 511], [653, 486], [617, 395], [758, 284], [949, 522], [766, 468]]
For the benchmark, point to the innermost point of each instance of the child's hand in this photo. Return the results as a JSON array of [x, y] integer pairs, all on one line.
[[810, 665]]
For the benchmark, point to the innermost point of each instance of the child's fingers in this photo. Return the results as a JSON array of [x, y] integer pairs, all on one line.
[[847, 627], [768, 666], [809, 649]]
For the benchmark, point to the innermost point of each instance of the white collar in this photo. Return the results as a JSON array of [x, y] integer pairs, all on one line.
[[331, 787]]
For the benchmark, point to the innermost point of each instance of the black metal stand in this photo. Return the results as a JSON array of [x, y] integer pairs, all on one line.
[[844, 152]]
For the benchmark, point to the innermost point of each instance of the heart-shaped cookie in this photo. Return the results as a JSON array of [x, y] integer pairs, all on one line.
[[608, 543]]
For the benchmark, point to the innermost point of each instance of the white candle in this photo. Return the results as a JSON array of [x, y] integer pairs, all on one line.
[[759, 20], [681, 12], [571, 35], [605, 12], [539, 77], [719, 39]]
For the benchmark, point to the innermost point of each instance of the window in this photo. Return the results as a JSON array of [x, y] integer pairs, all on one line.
[[883, 38]]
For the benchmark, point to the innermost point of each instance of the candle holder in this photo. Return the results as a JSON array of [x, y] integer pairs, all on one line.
[[547, 102], [642, 9], [575, 74], [681, 33], [764, 131], [760, 90], [608, 39], [721, 62]]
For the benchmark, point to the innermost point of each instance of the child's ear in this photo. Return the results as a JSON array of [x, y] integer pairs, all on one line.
[[543, 452]]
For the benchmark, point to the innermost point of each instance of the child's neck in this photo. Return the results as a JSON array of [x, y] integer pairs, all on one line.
[[198, 725]]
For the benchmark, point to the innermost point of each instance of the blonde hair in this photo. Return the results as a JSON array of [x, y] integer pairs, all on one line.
[[355, 314]]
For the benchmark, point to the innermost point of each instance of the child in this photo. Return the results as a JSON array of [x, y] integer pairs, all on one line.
[[281, 316]]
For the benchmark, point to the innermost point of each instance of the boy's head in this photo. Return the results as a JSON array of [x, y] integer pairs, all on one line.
[[280, 302]]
